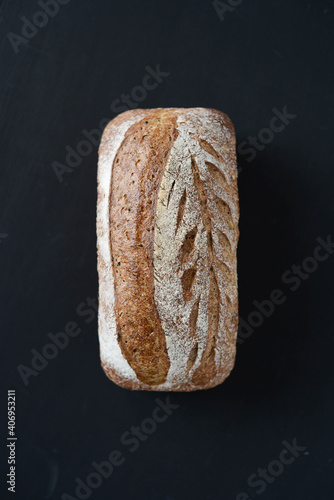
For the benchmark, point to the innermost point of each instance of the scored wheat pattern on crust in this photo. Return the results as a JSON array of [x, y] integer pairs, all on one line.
[[214, 262], [206, 367], [195, 241]]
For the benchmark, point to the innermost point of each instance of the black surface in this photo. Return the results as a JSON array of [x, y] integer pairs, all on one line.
[[263, 55]]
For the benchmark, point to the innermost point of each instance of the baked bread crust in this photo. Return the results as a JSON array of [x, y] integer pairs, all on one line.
[[167, 227]]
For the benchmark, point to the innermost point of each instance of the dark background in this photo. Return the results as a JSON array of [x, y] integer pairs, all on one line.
[[261, 56]]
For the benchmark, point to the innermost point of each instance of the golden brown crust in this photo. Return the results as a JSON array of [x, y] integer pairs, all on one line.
[[137, 170]]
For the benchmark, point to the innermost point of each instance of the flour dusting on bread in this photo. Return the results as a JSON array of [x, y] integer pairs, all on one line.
[[194, 255]]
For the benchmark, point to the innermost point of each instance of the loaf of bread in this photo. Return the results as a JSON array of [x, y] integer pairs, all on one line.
[[167, 233]]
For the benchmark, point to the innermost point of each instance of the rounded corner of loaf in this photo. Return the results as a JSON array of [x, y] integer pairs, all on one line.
[[117, 378], [225, 120]]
